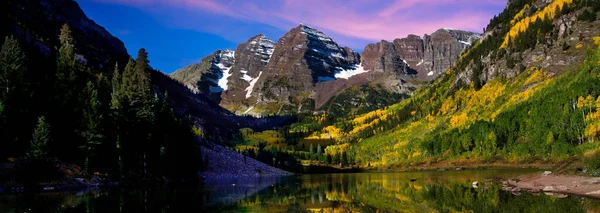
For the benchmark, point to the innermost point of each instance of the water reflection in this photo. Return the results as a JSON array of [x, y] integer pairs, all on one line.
[[367, 192]]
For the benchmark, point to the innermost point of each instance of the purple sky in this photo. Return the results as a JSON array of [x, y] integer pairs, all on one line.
[[219, 24]]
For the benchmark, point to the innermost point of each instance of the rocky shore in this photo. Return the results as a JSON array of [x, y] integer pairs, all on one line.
[[556, 185], [226, 163]]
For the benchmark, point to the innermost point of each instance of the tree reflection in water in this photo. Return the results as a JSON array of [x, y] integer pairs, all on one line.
[[365, 192]]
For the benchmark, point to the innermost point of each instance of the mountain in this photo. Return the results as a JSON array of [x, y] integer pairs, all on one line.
[[525, 93], [306, 68], [210, 75], [251, 61]]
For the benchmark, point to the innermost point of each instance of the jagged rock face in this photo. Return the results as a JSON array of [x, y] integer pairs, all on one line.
[[383, 57], [423, 58], [353, 57], [39, 22], [411, 50], [306, 68], [209, 76], [303, 57], [443, 47], [252, 58]]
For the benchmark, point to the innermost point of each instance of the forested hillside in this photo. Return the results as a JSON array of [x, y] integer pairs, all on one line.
[[113, 124], [495, 104], [527, 92]]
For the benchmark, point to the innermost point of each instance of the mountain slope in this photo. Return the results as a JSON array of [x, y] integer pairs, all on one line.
[[39, 22], [531, 98]]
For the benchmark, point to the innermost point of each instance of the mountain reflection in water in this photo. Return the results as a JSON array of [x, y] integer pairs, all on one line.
[[365, 192]]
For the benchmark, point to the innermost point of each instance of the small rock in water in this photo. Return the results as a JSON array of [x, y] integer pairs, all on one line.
[[546, 173], [548, 189], [593, 193]]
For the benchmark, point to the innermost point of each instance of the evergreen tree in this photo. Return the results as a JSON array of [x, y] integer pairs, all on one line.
[[40, 140], [12, 96], [92, 119], [141, 95], [312, 151], [116, 95], [319, 149], [65, 73], [12, 67]]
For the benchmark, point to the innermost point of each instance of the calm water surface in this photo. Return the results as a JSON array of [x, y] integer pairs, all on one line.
[[365, 192]]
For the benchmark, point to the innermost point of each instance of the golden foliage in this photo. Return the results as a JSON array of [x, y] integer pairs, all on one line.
[[197, 131], [429, 117], [448, 106], [519, 15], [593, 127], [579, 46], [597, 40], [548, 12], [459, 120], [587, 102], [337, 149], [537, 76], [329, 132]]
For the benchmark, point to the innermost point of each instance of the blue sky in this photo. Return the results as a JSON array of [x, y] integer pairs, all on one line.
[[177, 33]]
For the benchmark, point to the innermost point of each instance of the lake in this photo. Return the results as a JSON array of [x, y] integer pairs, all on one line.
[[450, 191]]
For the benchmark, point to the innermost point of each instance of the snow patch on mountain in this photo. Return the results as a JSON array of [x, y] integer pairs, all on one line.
[[263, 47], [464, 42], [224, 74], [248, 110], [347, 73], [421, 62], [223, 80], [430, 73], [251, 87], [245, 76]]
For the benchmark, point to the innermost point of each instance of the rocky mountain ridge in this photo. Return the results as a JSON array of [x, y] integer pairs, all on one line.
[[305, 68]]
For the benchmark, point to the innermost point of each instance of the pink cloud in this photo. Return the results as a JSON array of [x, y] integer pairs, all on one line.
[[363, 19]]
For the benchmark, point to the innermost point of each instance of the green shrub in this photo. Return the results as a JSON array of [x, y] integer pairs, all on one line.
[[591, 160]]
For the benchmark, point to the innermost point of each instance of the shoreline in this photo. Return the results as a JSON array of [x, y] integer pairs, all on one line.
[[554, 184]]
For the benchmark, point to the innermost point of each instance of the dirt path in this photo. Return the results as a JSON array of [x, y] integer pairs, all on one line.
[[552, 184]]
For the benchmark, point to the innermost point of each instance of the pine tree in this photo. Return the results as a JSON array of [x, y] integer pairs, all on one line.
[[319, 149], [141, 98], [40, 140], [12, 66], [92, 119], [116, 106], [65, 73], [116, 95]]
